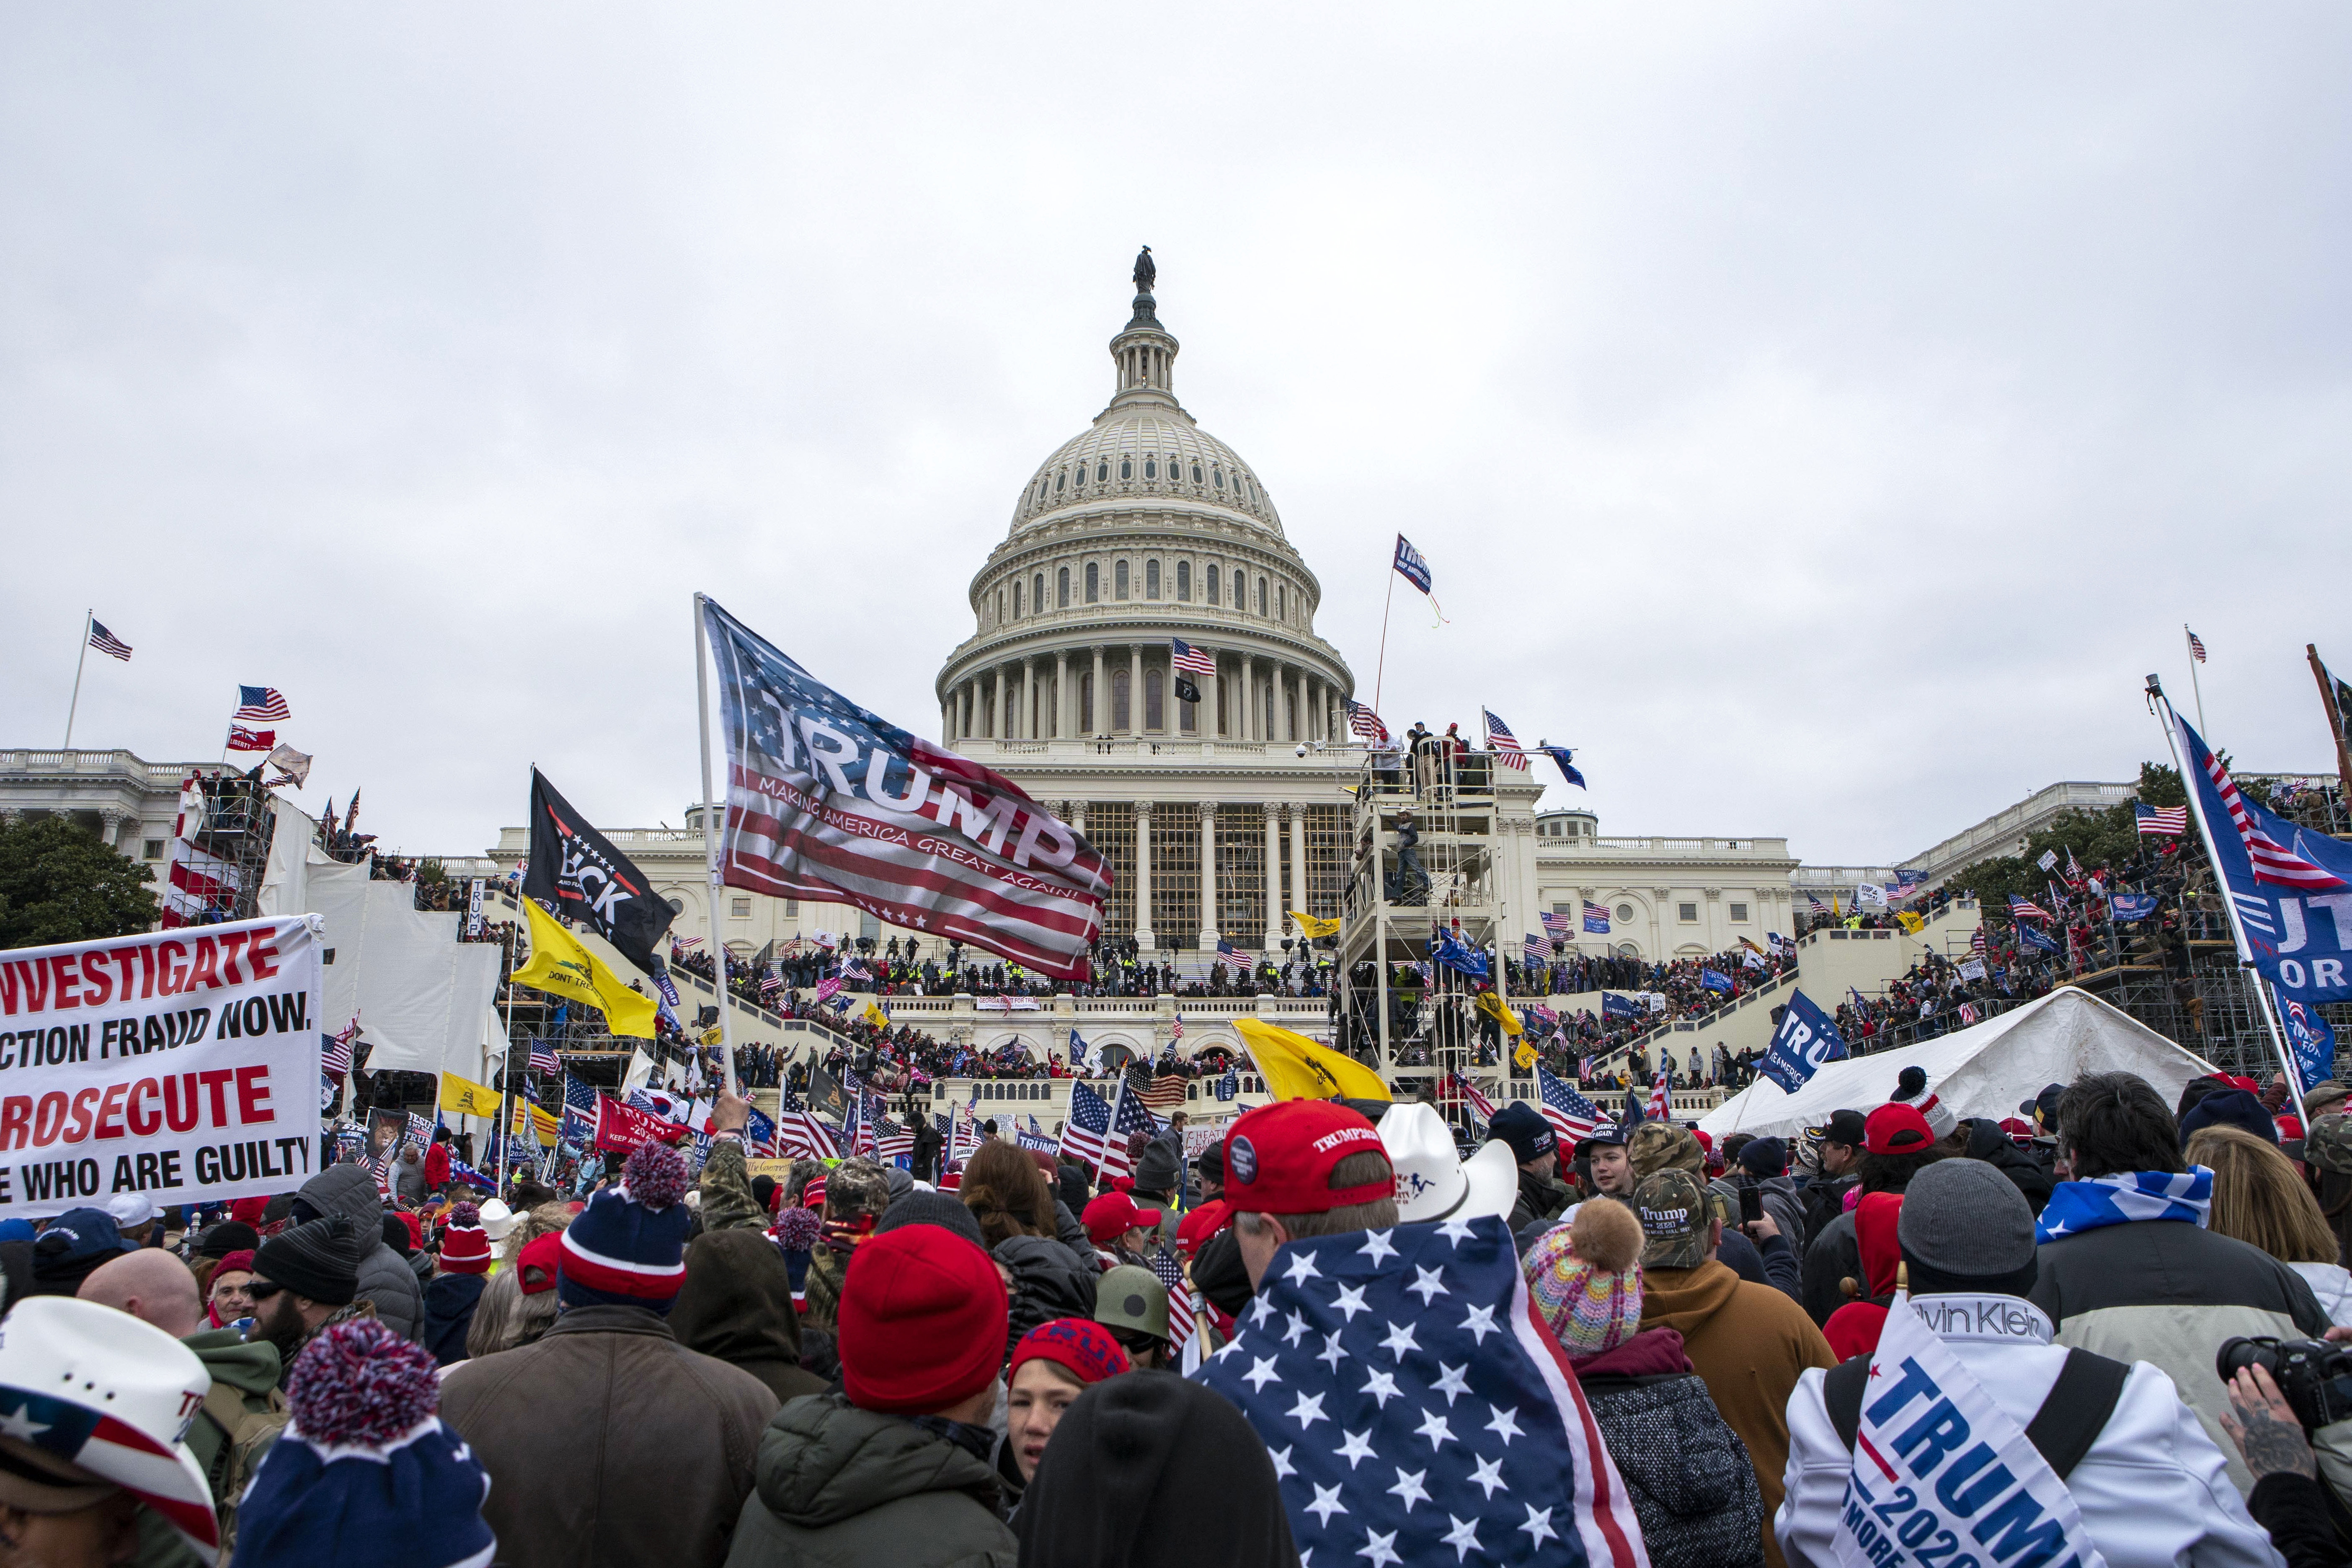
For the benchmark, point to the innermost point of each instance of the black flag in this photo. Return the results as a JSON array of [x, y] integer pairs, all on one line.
[[579, 874], [1185, 690]]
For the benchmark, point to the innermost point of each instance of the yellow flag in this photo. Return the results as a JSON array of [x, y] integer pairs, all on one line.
[[875, 1016], [1492, 1006], [562, 967], [467, 1097], [1296, 1068], [1525, 1055], [529, 1119], [1911, 923], [1314, 928]]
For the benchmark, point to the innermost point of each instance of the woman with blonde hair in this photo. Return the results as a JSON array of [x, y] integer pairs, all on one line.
[[1006, 1193], [2260, 1199]]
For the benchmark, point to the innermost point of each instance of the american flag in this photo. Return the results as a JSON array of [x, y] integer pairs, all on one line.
[[1573, 1116], [892, 1142], [1507, 749], [1232, 957], [993, 867], [1473, 1096], [1160, 1094], [804, 1135], [1083, 1134], [1128, 1118], [1976, 938], [2196, 646], [1185, 657], [2022, 908], [2272, 861], [261, 705], [2162, 821], [336, 1056], [1596, 918], [770, 984], [1415, 1348], [1661, 1104], [680, 943], [1366, 724], [107, 642], [1815, 904], [241, 739], [579, 1124], [1968, 1012], [1557, 926], [1540, 949], [1181, 1310], [542, 1059]]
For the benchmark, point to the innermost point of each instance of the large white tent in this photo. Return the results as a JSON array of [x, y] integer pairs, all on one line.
[[1982, 1071]]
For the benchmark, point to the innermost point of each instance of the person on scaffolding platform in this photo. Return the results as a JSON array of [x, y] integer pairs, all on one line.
[[1411, 884]]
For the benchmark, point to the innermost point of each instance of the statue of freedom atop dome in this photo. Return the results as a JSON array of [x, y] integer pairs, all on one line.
[[1145, 272]]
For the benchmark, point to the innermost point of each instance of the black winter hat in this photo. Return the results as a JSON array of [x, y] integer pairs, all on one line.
[[1764, 1157], [2230, 1107], [317, 1258], [229, 1236], [1126, 1485], [1522, 1127], [1156, 1172], [931, 1208]]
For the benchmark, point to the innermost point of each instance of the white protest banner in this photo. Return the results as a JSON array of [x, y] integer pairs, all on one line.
[[1938, 1466], [178, 1064]]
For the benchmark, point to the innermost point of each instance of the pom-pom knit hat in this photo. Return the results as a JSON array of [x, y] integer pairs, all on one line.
[[627, 1248], [1586, 1278], [465, 1244], [365, 1475]]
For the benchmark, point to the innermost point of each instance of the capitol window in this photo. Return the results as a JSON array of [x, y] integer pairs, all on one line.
[[1016, 601], [1184, 581], [1261, 596], [1279, 613], [1037, 594], [1119, 580], [1212, 585], [1196, 473], [1217, 476], [1059, 480], [1739, 913], [1000, 608], [1686, 913], [1126, 467], [1102, 471], [1094, 581], [1151, 579], [1150, 468], [1624, 912], [1062, 588], [1151, 711]]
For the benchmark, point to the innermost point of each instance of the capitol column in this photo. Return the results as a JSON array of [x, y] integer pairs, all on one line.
[[996, 707], [1208, 877], [1027, 723], [1246, 698], [1282, 708], [1135, 689], [1299, 861], [1143, 939], [1273, 933], [1096, 709], [1062, 695]]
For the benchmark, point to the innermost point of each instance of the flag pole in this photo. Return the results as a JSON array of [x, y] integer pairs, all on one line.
[[2188, 640], [1380, 670], [2334, 719], [2229, 900], [710, 839], [89, 619]]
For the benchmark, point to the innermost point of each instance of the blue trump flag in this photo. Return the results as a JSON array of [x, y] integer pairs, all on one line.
[[2132, 906], [1411, 565], [1449, 950], [1805, 1039], [1561, 755], [1412, 1401], [1714, 980], [2036, 939], [2309, 1036], [2290, 888]]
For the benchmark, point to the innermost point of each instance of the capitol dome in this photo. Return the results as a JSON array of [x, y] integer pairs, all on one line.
[[1142, 531]]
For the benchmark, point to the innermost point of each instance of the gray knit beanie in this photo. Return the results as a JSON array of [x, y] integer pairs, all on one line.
[[1962, 1219]]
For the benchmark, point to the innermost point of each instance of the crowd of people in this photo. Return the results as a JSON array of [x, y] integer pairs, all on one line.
[[1025, 1358]]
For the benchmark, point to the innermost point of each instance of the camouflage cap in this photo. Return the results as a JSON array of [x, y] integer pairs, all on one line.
[[1662, 1145], [856, 1186], [2328, 1143], [1676, 1219]]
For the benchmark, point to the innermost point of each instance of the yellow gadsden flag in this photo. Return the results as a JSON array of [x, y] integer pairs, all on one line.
[[1492, 1006], [467, 1097], [1910, 922], [1296, 1068], [562, 967], [1526, 1054], [1314, 928]]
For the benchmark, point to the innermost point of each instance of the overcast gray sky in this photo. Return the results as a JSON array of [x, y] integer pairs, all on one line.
[[1821, 416]]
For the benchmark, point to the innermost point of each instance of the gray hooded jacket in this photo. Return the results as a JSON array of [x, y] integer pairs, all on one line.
[[386, 1278]]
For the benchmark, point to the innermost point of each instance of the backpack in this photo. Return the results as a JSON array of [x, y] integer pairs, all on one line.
[[2071, 1418], [247, 1436], [1689, 1476]]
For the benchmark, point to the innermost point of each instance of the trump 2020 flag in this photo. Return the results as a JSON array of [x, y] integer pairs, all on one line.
[[2309, 1036], [2289, 885], [1805, 1039], [1416, 1408], [828, 801]]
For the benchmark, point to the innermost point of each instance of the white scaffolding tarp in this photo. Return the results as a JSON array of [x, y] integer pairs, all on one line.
[[1985, 1070]]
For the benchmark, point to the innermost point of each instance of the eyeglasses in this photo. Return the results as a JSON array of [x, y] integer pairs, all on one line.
[[262, 1290]]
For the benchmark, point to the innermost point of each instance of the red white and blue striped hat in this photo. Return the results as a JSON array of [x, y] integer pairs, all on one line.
[[627, 1248], [110, 1395]]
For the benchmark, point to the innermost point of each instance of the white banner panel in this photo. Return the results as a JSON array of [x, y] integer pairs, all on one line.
[[182, 1064]]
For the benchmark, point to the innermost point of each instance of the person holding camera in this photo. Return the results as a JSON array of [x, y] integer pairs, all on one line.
[[2273, 1438], [2128, 1268], [2111, 1461]]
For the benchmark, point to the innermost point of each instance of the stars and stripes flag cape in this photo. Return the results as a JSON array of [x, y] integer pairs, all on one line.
[[828, 800], [1660, 1100], [1573, 1117], [199, 886], [1505, 745], [107, 643], [1412, 1403], [259, 705]]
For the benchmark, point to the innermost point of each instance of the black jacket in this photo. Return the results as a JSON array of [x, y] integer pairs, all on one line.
[[1049, 1281], [1988, 1143]]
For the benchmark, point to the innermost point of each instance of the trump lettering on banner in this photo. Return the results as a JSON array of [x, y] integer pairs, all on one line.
[[177, 1064]]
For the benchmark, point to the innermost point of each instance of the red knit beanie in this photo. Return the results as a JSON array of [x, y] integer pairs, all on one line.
[[922, 1321]]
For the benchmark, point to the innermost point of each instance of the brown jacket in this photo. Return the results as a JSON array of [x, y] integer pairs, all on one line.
[[608, 1443], [1749, 1344]]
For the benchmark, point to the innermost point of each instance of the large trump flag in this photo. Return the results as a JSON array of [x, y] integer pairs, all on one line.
[[829, 802]]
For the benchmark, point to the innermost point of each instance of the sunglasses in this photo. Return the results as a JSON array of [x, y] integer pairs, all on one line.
[[262, 1290]]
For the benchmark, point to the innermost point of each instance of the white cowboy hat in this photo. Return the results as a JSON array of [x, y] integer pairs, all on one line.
[[497, 1219], [1432, 1182], [97, 1392]]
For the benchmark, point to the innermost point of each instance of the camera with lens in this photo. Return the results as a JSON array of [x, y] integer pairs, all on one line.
[[2315, 1375]]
